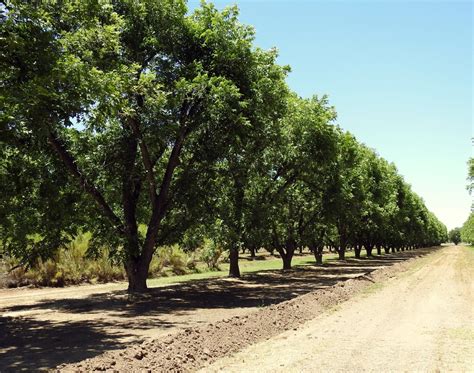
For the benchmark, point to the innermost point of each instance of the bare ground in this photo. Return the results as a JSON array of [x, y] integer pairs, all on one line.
[[422, 320], [179, 328]]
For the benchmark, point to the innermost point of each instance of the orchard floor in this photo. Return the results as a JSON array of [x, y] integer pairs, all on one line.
[[47, 327], [420, 321]]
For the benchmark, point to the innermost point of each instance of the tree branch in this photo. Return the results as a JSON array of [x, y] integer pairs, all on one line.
[[85, 184], [147, 163]]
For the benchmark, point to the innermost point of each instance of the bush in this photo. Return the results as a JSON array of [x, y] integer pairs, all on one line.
[[173, 258], [211, 254], [69, 266], [103, 270]]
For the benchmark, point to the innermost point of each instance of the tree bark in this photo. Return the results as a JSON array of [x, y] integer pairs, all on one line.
[[318, 254], [357, 251], [379, 250], [130, 193], [341, 253], [234, 270], [368, 249], [160, 204], [341, 250], [286, 254], [286, 262], [137, 274]]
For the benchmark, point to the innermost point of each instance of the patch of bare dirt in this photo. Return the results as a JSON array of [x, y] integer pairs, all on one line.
[[198, 346], [420, 321]]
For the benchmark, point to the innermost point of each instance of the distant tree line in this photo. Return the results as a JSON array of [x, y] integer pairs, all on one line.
[[467, 230], [117, 115]]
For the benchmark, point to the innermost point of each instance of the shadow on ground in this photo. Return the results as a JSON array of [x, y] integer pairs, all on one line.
[[35, 342], [29, 344]]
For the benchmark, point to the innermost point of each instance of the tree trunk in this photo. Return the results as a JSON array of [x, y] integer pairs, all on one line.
[[319, 257], [137, 274], [252, 252], [286, 262], [341, 250], [357, 251], [379, 250], [234, 270], [387, 250], [286, 255], [368, 249], [318, 254]]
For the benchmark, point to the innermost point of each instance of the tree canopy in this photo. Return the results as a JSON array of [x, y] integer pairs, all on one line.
[[121, 114]]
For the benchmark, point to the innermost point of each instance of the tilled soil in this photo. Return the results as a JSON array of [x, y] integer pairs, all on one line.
[[420, 321], [197, 347]]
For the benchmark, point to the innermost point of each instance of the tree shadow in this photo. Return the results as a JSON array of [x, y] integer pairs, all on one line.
[[31, 343]]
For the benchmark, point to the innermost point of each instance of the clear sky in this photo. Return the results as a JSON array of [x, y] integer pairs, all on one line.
[[399, 74]]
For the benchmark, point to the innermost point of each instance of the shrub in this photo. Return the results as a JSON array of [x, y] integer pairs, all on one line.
[[69, 266], [211, 254]]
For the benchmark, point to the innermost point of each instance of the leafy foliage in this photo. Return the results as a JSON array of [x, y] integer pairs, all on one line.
[[455, 235], [150, 127], [467, 230]]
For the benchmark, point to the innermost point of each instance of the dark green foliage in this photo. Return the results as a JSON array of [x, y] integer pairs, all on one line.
[[455, 235], [122, 115], [467, 230]]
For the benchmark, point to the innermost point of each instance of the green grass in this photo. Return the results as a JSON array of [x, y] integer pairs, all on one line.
[[246, 266], [469, 247]]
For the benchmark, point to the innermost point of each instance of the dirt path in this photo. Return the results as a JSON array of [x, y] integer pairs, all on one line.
[[422, 320]]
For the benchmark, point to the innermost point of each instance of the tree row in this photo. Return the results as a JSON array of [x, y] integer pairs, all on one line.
[[147, 125]]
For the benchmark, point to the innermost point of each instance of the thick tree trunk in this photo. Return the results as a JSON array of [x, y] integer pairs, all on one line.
[[252, 253], [341, 250], [357, 251], [318, 255], [234, 270], [286, 262], [287, 255], [137, 274], [387, 250], [368, 249], [379, 250]]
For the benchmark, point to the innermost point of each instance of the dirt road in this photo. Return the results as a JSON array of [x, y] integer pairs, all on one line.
[[421, 320]]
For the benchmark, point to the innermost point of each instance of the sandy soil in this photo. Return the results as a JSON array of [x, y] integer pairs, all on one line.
[[422, 320]]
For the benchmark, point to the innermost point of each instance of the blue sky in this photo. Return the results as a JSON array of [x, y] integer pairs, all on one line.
[[399, 74]]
